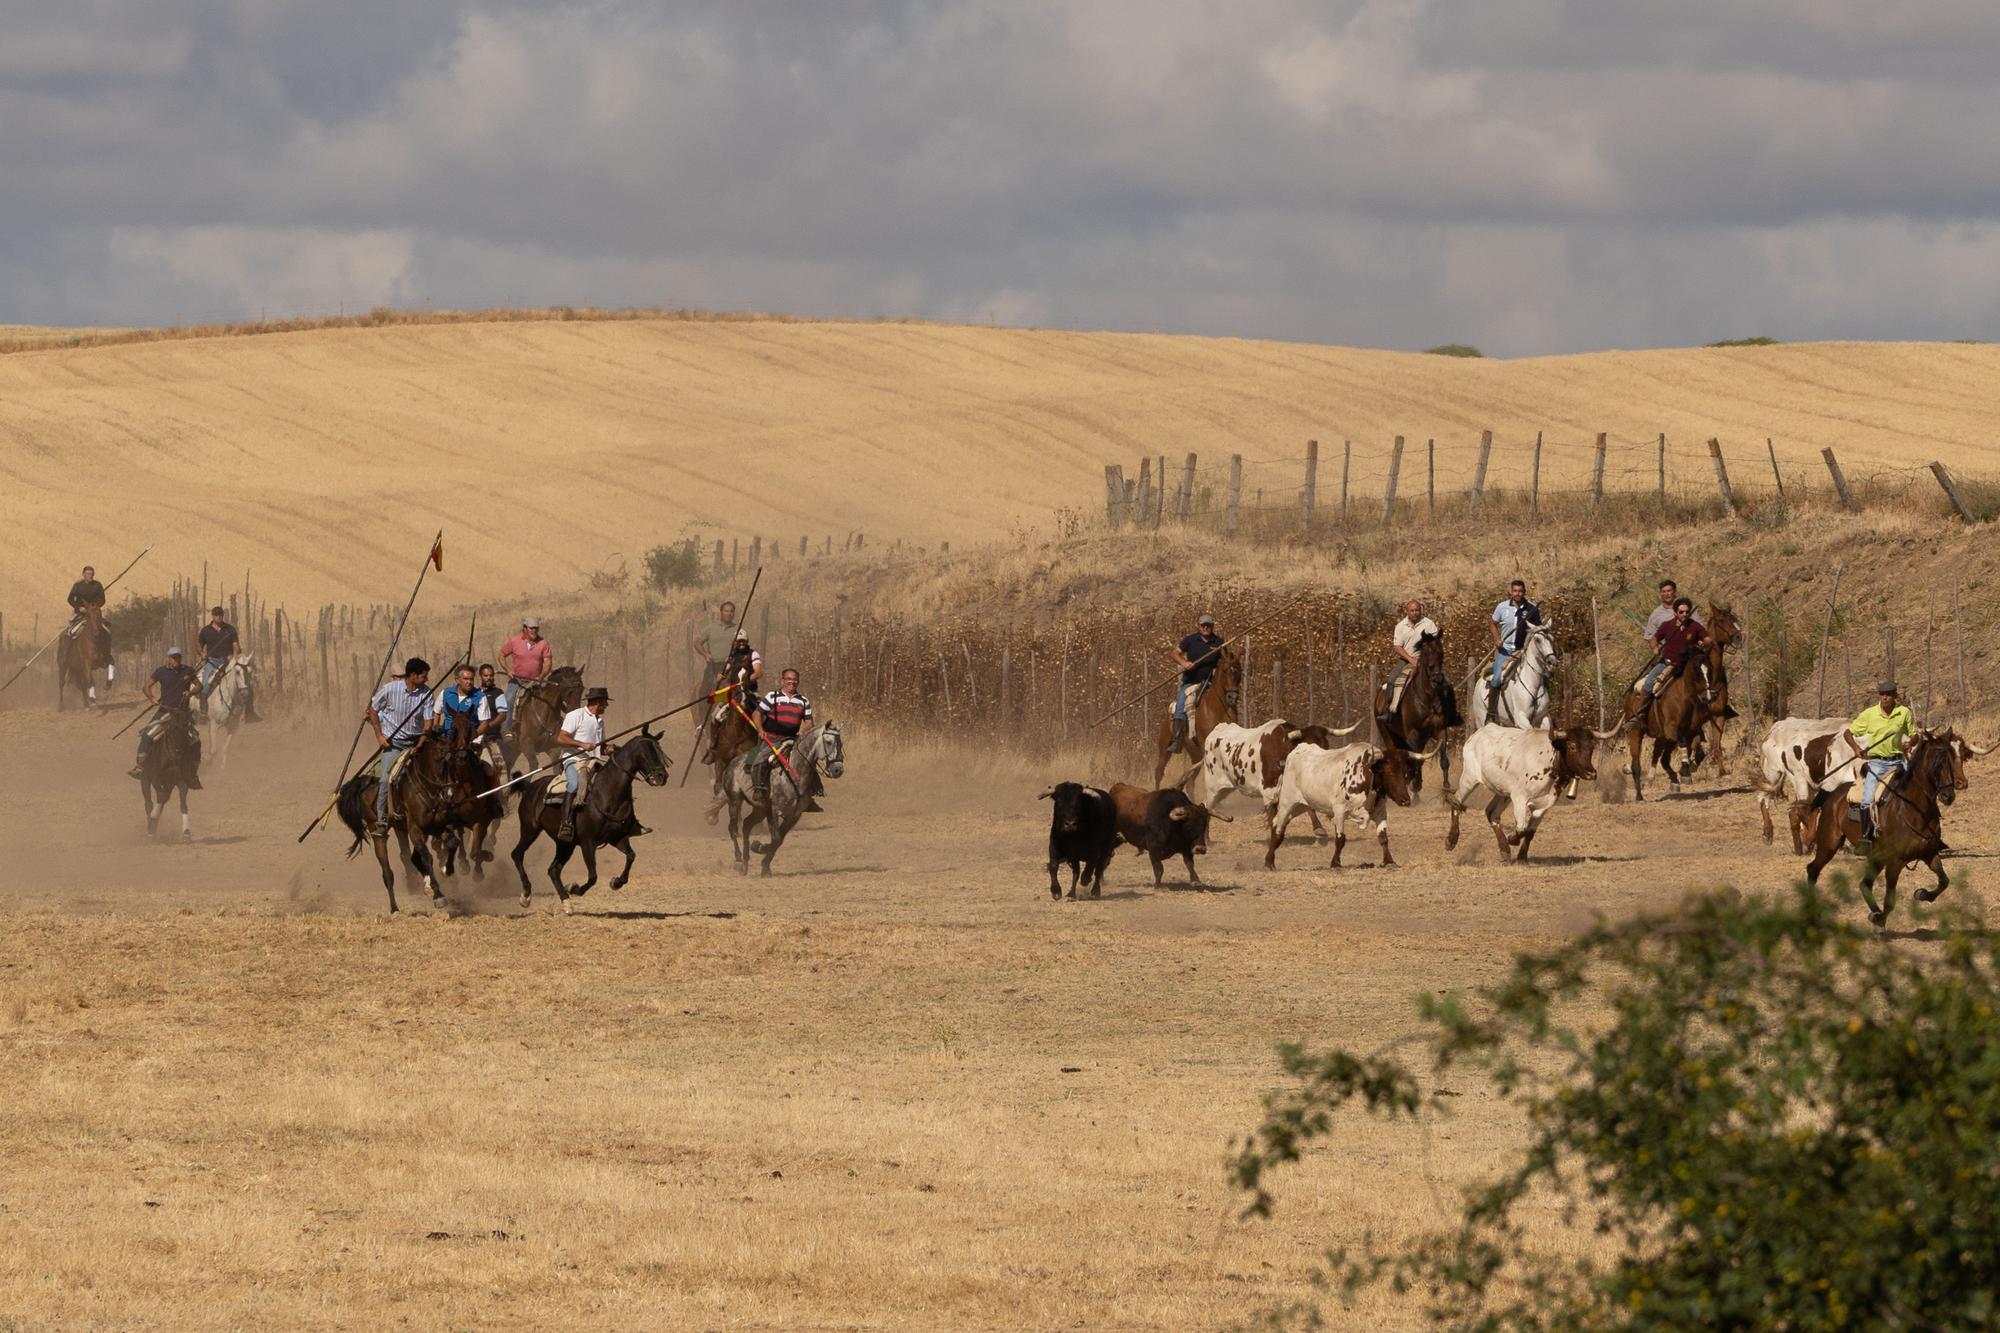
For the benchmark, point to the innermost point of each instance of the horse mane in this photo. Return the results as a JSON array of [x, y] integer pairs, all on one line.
[[565, 675]]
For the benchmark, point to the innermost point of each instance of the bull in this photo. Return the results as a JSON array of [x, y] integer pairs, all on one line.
[[1083, 835], [1163, 824], [1353, 782], [1528, 767]]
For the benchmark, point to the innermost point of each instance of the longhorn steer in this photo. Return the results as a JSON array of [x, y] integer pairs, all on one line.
[[1163, 823], [1351, 782], [1801, 755], [1529, 767], [1252, 760], [1083, 834]]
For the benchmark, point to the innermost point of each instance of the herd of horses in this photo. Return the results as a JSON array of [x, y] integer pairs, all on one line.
[[1683, 720]]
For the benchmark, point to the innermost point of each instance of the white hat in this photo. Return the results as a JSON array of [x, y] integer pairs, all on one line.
[[173, 652], [529, 622]]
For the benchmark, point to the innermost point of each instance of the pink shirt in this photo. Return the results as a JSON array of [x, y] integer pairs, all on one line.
[[525, 659]]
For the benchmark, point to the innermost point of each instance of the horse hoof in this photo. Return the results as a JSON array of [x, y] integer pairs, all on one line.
[[1878, 919], [186, 836], [618, 884], [524, 902], [568, 910]]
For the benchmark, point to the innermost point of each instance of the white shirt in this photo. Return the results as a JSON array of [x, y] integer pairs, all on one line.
[[1408, 636], [586, 728], [401, 709]]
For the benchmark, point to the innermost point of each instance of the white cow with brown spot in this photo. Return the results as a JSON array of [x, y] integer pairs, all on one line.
[[1529, 767], [1252, 760], [1352, 782]]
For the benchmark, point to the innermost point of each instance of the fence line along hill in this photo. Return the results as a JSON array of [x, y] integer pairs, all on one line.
[[320, 460]]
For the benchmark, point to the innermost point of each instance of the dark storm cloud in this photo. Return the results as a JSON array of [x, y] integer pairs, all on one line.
[[1526, 174]]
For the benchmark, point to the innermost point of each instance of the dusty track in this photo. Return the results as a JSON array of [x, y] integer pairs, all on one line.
[[894, 1086]]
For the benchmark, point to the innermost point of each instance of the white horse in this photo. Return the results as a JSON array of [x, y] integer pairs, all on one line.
[[227, 703], [817, 754], [1525, 696]]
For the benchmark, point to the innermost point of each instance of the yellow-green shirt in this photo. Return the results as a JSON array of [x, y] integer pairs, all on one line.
[[1881, 734]]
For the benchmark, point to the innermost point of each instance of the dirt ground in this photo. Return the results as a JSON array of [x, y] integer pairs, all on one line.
[[894, 1086]]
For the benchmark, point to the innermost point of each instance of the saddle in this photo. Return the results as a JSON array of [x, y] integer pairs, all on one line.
[[553, 794]]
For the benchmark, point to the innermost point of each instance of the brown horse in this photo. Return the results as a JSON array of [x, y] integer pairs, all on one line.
[[730, 737], [80, 656], [1907, 826], [1678, 718], [438, 791], [1217, 705], [604, 816], [539, 711], [1422, 715], [1723, 627]]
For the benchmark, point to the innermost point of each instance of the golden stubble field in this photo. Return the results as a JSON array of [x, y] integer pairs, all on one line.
[[267, 453], [892, 1087]]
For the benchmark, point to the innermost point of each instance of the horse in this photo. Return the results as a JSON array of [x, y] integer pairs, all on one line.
[[817, 754], [82, 651], [1217, 705], [1679, 716], [438, 789], [1524, 691], [170, 766], [604, 815], [1907, 826], [540, 709], [227, 703], [1724, 627], [1419, 716], [734, 735]]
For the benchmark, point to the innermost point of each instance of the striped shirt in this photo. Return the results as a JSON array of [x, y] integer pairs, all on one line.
[[785, 714], [400, 709]]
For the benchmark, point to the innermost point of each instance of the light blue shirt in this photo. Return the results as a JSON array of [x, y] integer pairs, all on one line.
[[1509, 617], [401, 709]]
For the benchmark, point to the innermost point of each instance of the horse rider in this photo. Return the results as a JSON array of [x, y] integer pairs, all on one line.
[[1662, 613], [712, 645], [86, 602], [581, 743], [496, 698], [1406, 638], [400, 714], [463, 706], [1509, 623], [1882, 732], [168, 689], [526, 658], [1197, 654], [219, 647], [781, 716], [1674, 642]]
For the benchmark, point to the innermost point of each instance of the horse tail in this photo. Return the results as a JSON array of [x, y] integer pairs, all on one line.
[[353, 811]]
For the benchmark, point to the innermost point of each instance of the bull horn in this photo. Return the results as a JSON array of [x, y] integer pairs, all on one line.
[[1293, 736], [1046, 794], [1559, 734], [1178, 813], [1344, 731], [1427, 753], [1217, 814], [1978, 752], [1607, 735]]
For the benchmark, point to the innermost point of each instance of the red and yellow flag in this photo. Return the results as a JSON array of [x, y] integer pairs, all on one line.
[[437, 553]]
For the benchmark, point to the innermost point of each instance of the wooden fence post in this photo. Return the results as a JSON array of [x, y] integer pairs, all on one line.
[[1784, 691], [1597, 651], [1943, 475], [1114, 496], [1389, 495], [1597, 492], [1187, 489], [1235, 492], [1479, 473], [1159, 490], [1721, 476], [756, 552], [1663, 479], [1839, 481], [1431, 477], [1930, 628], [1145, 510], [1958, 652], [1889, 651], [1311, 491], [1535, 482], [1832, 601], [1776, 475], [1346, 462]]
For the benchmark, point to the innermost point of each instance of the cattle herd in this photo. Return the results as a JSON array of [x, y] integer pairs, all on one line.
[[1810, 764]]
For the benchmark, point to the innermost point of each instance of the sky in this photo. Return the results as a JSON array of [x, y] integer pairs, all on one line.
[[1529, 176]]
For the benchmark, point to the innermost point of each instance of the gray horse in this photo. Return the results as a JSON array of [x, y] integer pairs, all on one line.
[[814, 756]]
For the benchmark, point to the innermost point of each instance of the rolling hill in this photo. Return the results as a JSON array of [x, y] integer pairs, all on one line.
[[322, 460]]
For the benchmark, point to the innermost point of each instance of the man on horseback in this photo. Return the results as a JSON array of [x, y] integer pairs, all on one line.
[[1882, 732], [740, 671], [526, 658], [400, 716], [86, 604], [1675, 640], [781, 716], [1406, 639], [168, 689], [1197, 654], [1663, 613], [462, 709], [581, 742], [219, 646], [1510, 622]]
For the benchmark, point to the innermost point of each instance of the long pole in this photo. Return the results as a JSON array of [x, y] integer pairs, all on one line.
[[434, 553], [742, 619], [65, 629], [1833, 600], [1597, 650], [695, 702], [1141, 695]]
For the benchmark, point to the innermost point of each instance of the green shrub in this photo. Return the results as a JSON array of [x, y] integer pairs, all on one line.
[[1453, 349], [1743, 1114], [1758, 341], [137, 619], [677, 566]]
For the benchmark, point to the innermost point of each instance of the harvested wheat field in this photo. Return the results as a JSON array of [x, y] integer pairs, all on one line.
[[920, 432], [894, 1086]]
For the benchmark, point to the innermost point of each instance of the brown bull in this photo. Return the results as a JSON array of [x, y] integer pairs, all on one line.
[[1907, 822]]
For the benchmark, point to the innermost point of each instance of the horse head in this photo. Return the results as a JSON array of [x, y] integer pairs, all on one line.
[[828, 751], [1935, 762], [1430, 653], [646, 757], [1723, 626]]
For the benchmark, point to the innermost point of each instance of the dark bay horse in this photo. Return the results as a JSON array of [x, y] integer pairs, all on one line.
[[1421, 715], [1907, 822], [539, 711], [1679, 717], [438, 792], [80, 656], [1217, 705], [170, 767], [732, 736], [1726, 629], [604, 816]]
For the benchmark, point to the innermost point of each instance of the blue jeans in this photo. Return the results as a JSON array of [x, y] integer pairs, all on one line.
[[210, 666], [572, 772], [1500, 656], [513, 692], [385, 761], [1872, 773], [1652, 677], [1181, 698]]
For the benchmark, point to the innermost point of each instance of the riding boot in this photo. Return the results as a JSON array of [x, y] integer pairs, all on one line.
[[566, 831], [1867, 823], [1178, 742], [760, 785]]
